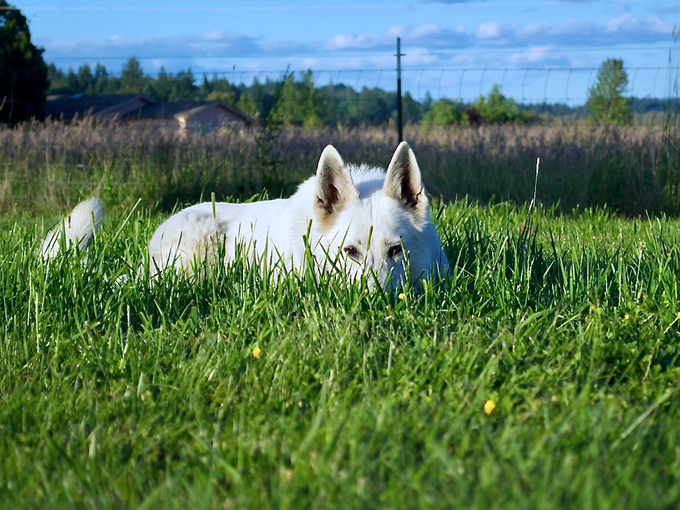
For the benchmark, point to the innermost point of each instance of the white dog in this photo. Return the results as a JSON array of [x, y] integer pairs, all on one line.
[[360, 220]]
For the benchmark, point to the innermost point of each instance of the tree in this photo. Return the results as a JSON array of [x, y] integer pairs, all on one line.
[[57, 80], [445, 112], [497, 109], [374, 106], [340, 104], [299, 102], [217, 89], [606, 103], [264, 97], [85, 79], [161, 87], [23, 73], [183, 88], [412, 110], [102, 83], [132, 78], [248, 105]]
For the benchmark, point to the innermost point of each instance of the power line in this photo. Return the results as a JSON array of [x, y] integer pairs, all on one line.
[[404, 69], [465, 51]]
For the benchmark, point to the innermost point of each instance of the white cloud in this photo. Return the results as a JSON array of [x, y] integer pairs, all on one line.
[[491, 30], [530, 57], [533, 29], [354, 42], [626, 29], [423, 31], [425, 34], [427, 45], [630, 24]]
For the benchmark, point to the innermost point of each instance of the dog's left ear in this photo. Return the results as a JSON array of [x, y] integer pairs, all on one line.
[[403, 182]]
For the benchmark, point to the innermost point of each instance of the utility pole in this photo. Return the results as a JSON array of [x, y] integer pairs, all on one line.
[[399, 112]]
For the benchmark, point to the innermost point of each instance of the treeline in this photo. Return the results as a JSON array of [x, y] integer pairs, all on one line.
[[293, 99], [296, 99]]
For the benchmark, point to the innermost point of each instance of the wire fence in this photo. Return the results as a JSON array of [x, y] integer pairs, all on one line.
[[524, 84], [567, 85]]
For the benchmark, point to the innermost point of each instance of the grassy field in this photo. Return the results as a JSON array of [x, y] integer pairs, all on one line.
[[543, 374], [634, 169]]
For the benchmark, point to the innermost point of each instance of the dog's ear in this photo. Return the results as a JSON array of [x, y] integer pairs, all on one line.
[[403, 182], [334, 186]]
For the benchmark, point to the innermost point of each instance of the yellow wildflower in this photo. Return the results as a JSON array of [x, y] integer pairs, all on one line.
[[402, 296], [257, 352], [489, 406]]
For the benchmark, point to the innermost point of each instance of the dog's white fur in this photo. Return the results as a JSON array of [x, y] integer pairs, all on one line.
[[356, 219], [76, 229]]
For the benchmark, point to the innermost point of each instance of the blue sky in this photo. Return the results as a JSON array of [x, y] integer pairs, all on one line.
[[535, 49]]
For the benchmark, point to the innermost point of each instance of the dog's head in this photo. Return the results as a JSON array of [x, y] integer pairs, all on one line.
[[375, 222]]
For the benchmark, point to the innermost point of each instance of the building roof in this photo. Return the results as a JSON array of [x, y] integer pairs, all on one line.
[[170, 109], [67, 107], [131, 106]]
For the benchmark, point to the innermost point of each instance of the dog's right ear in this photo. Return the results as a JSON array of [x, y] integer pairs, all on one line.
[[334, 186], [404, 184]]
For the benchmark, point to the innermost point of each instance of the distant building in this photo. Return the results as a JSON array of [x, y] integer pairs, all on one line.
[[181, 116], [194, 116], [105, 107]]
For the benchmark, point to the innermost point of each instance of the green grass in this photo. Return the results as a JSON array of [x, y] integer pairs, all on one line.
[[139, 396]]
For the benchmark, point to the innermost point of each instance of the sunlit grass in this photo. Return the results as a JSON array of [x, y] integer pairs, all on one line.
[[542, 374]]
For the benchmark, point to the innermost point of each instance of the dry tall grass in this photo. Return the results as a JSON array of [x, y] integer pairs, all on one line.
[[45, 167]]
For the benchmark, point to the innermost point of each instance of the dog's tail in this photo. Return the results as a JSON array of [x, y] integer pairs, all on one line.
[[77, 228]]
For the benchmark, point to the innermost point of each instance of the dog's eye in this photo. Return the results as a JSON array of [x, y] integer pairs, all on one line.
[[394, 251], [352, 252]]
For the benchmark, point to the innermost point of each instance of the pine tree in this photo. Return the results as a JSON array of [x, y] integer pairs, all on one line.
[[132, 80], [299, 102]]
